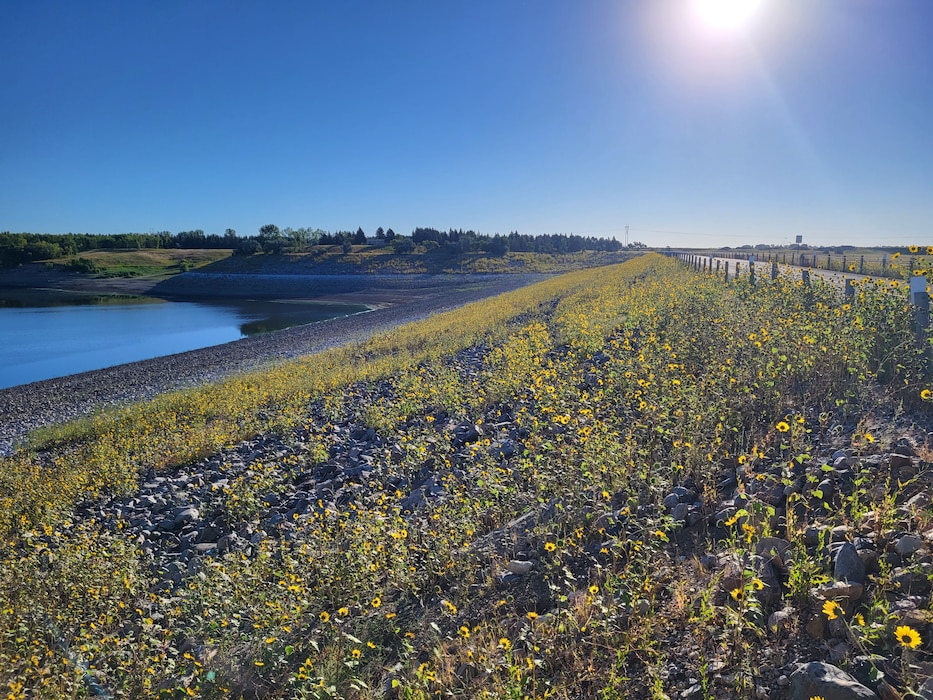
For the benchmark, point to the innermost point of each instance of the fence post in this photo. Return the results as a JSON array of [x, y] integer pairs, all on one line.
[[805, 277], [921, 301], [884, 262], [845, 263], [751, 273], [727, 270], [861, 265], [774, 270], [850, 290]]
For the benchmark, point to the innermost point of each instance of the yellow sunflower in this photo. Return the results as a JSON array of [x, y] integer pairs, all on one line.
[[907, 636]]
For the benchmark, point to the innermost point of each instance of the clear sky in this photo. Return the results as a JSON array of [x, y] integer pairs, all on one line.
[[684, 119]]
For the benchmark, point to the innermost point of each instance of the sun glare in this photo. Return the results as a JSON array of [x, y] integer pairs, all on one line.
[[726, 15]]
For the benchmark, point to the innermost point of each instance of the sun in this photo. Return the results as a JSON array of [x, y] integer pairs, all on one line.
[[726, 15]]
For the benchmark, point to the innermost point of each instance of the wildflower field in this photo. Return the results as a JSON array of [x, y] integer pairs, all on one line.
[[632, 481]]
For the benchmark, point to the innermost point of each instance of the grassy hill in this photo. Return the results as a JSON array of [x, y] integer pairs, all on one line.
[[140, 263], [332, 259], [624, 482]]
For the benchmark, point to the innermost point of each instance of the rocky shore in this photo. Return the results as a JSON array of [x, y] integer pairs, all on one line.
[[29, 406]]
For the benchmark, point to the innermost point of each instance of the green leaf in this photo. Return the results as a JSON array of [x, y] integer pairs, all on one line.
[[289, 650], [818, 493]]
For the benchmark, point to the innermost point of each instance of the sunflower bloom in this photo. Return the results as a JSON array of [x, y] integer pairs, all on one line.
[[782, 427], [907, 636], [832, 609]]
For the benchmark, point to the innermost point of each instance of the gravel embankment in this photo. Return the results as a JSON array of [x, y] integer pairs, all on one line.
[[24, 408]]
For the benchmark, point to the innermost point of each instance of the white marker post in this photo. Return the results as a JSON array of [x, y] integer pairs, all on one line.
[[920, 299]]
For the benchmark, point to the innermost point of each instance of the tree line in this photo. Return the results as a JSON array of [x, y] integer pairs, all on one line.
[[19, 248]]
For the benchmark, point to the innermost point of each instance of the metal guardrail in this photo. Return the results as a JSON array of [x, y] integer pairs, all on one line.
[[919, 295]]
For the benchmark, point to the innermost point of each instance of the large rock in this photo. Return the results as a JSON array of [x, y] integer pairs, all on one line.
[[848, 565], [817, 679], [908, 544]]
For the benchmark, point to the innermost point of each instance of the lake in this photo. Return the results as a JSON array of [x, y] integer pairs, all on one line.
[[46, 334]]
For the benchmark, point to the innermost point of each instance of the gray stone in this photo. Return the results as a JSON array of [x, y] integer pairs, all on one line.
[[838, 590], [506, 449], [681, 492], [899, 460], [848, 565], [912, 582], [813, 535], [517, 566], [670, 500], [694, 516], [907, 545], [781, 622], [723, 515], [774, 549], [680, 512], [832, 683], [771, 593], [185, 514]]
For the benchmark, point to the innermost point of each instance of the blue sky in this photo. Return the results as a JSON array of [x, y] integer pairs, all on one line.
[[814, 117]]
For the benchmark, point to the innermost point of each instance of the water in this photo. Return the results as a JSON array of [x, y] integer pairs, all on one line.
[[46, 334]]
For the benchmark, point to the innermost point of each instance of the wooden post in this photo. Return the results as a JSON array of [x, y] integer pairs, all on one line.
[[805, 276], [774, 270], [727, 270], [850, 290], [751, 273], [921, 302]]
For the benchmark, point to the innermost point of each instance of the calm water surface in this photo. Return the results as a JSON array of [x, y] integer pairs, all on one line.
[[46, 334]]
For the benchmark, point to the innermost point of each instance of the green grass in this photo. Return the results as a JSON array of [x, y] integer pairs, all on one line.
[[145, 262]]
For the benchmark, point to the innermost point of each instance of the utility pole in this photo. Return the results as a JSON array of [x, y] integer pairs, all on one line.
[[626, 235]]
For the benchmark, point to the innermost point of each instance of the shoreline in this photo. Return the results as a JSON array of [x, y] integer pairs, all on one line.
[[48, 402]]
